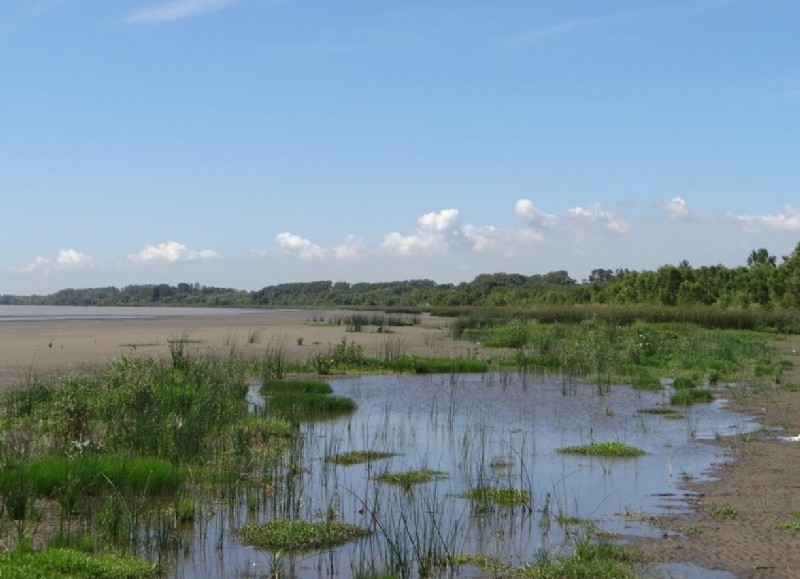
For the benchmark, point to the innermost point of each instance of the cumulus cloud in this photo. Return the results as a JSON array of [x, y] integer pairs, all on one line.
[[527, 211], [303, 247], [789, 220], [66, 259], [170, 252], [177, 10], [436, 233], [352, 247], [595, 216], [674, 208], [441, 233]]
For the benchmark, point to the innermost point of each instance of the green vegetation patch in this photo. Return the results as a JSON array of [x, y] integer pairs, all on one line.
[[300, 536], [69, 564], [358, 457], [790, 525], [49, 475], [501, 496], [410, 478], [310, 404], [604, 449], [690, 396], [416, 365], [663, 412], [271, 387]]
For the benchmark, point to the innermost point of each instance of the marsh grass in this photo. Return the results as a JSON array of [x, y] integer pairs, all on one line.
[[416, 365], [663, 412], [309, 405], [57, 563], [358, 457], [689, 396], [500, 496], [48, 476], [604, 449], [300, 536], [408, 479], [272, 387]]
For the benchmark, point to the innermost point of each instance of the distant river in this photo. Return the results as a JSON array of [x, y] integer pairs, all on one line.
[[20, 313]]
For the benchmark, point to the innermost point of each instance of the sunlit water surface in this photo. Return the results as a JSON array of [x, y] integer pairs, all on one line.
[[499, 429]]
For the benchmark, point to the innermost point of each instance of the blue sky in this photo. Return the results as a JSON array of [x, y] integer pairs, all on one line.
[[244, 143]]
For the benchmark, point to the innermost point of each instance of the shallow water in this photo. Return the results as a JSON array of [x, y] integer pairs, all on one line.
[[499, 429]]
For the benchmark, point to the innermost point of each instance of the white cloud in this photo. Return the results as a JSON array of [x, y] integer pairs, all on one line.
[[303, 247], [526, 210], [170, 252], [66, 259], [788, 221], [594, 215], [352, 247], [675, 208], [436, 233], [177, 10], [71, 259]]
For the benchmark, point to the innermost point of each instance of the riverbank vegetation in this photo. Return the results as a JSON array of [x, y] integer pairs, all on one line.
[[762, 293], [122, 460]]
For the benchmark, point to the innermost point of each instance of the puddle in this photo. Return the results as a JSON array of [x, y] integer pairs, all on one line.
[[499, 429]]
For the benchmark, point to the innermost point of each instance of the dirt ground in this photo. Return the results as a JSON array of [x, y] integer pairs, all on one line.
[[761, 485]]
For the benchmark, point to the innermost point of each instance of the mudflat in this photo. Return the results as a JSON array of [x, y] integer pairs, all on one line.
[[33, 348], [738, 520]]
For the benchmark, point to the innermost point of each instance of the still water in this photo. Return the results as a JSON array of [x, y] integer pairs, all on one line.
[[496, 429]]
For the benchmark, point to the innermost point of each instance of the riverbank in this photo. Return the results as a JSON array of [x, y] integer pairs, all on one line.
[[31, 348], [735, 522]]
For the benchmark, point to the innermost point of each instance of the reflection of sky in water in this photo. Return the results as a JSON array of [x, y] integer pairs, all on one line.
[[495, 429]]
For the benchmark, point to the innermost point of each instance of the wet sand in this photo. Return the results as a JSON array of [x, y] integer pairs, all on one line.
[[762, 484]]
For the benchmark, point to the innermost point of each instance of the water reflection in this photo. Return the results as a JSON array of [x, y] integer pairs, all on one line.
[[499, 430]]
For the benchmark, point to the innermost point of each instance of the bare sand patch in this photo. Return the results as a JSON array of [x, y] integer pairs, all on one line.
[[761, 486], [30, 348]]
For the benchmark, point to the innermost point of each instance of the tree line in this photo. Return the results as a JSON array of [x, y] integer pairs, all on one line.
[[763, 281]]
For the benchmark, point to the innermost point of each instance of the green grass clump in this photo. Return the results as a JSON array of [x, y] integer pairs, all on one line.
[[662, 411], [54, 563], [690, 396], [412, 364], [299, 536], [271, 387], [790, 525], [604, 449], [358, 457], [501, 496], [645, 380], [684, 382], [724, 512], [47, 476], [310, 404], [410, 478], [598, 559]]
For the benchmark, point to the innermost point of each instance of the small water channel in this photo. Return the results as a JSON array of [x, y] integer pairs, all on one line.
[[496, 429]]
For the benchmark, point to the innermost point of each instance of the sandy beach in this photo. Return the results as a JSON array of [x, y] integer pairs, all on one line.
[[761, 484]]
